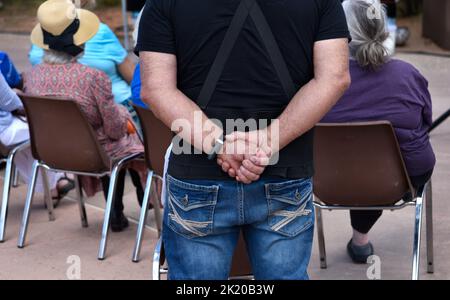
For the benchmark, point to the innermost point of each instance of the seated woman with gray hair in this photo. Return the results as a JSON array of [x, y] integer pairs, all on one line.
[[383, 89]]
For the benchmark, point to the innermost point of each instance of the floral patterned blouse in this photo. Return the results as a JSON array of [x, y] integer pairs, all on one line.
[[92, 90]]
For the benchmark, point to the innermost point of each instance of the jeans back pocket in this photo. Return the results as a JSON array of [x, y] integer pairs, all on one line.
[[191, 208], [290, 205]]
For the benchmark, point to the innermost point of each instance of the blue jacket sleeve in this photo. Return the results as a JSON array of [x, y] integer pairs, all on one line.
[[9, 71]]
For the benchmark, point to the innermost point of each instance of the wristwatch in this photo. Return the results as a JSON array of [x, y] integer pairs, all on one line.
[[218, 145]]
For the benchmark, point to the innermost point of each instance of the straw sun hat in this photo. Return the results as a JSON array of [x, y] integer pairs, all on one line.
[[63, 27]]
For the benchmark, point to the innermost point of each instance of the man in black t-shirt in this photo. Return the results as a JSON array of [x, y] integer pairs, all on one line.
[[242, 83]]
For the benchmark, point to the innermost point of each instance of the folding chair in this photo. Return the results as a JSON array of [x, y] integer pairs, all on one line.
[[157, 138], [240, 268], [62, 140], [359, 166], [9, 154]]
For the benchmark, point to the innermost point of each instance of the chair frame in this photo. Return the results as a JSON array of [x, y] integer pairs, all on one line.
[[158, 268], [10, 180], [109, 202], [144, 212], [152, 174]]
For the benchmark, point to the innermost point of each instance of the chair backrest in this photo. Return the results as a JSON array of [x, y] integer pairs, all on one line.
[[62, 137], [359, 164], [157, 138]]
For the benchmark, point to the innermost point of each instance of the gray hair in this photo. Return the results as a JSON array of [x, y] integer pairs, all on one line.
[[58, 58], [368, 29]]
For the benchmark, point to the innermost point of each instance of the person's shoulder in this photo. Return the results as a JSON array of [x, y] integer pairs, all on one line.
[[104, 32], [403, 68], [104, 29], [400, 65], [35, 71], [405, 74]]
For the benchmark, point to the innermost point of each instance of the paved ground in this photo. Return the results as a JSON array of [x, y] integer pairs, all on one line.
[[51, 243]]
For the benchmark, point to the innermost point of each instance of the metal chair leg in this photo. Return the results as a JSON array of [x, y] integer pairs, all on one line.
[[5, 197], [110, 202], [417, 235], [48, 195], [142, 218], [321, 239], [81, 206], [429, 224], [157, 261], [107, 217], [157, 211], [26, 211], [15, 173]]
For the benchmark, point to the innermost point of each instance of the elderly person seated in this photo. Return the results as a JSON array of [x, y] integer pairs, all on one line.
[[62, 32], [103, 52], [14, 131], [383, 89], [136, 84]]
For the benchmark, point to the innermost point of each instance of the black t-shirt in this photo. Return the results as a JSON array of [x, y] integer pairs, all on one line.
[[193, 30]]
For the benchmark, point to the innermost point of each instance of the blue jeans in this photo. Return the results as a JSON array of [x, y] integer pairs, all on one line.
[[203, 220]]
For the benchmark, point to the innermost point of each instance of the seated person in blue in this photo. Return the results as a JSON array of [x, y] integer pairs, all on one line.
[[136, 88], [383, 89], [136, 82], [9, 71]]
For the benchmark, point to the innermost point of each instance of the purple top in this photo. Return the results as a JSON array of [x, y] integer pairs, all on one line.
[[398, 93]]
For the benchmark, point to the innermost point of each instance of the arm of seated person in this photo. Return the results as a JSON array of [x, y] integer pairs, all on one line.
[[126, 69]]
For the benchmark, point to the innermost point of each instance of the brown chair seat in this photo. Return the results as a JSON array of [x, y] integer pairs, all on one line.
[[360, 166]]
